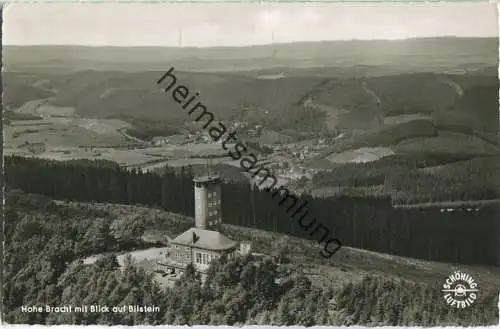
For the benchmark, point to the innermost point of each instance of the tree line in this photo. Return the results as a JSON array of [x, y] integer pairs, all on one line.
[[420, 178], [368, 222]]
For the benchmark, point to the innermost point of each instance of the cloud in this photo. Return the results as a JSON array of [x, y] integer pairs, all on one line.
[[238, 24], [270, 19], [202, 34], [309, 16]]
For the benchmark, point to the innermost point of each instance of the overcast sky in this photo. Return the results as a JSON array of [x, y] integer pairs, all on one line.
[[205, 25]]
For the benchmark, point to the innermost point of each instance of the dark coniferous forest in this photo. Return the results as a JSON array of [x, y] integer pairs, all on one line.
[[459, 236]]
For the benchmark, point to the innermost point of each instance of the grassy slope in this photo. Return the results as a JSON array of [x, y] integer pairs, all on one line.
[[16, 95]]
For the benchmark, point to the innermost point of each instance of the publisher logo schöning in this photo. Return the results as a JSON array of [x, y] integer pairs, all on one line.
[[460, 290]]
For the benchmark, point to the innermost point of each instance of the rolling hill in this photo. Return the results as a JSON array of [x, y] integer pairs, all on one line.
[[435, 54], [372, 99], [290, 102], [305, 85]]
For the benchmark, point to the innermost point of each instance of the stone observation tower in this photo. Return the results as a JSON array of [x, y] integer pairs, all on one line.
[[204, 242], [207, 198]]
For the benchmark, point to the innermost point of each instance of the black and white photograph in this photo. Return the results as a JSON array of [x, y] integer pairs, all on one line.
[[271, 164]]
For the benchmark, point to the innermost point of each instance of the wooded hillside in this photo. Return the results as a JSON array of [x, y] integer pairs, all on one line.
[[460, 236]]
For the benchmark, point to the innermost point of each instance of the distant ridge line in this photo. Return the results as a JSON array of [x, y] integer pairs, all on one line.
[[222, 47]]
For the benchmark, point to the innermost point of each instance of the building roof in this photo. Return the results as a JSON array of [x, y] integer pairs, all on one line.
[[205, 239]]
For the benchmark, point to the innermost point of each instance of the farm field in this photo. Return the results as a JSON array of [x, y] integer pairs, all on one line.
[[364, 154], [62, 135]]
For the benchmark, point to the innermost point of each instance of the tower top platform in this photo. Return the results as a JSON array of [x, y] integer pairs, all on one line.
[[207, 178]]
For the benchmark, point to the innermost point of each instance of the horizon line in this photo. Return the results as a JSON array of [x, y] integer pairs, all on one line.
[[254, 45]]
